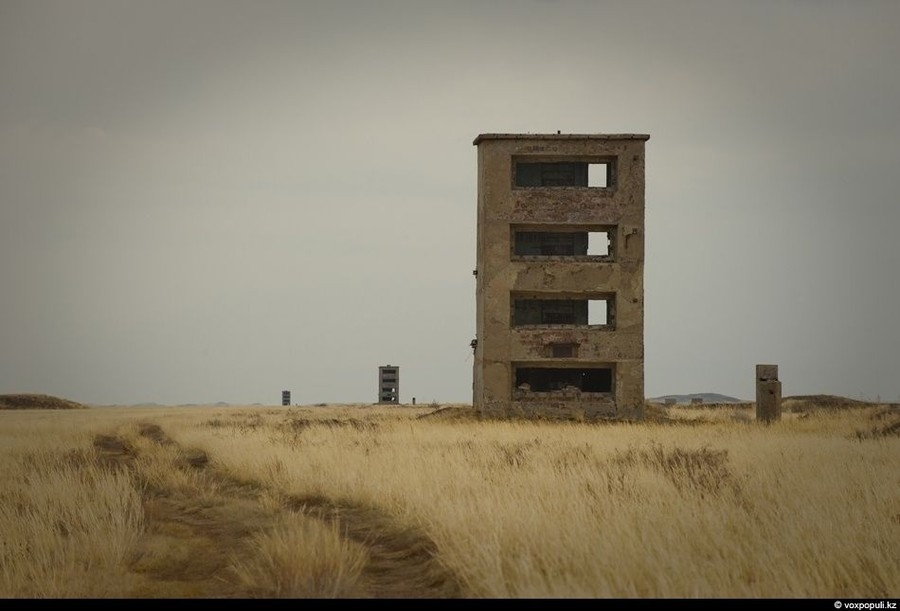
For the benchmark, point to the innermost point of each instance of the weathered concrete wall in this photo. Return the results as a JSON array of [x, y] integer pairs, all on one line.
[[768, 393], [500, 274]]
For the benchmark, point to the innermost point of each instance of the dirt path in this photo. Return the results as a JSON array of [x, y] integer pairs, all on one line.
[[193, 536], [402, 561]]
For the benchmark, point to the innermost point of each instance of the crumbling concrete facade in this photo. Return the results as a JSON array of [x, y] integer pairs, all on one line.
[[559, 276]]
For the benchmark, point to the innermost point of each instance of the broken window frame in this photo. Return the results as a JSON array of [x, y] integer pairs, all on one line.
[[540, 161], [521, 392], [608, 297], [518, 229]]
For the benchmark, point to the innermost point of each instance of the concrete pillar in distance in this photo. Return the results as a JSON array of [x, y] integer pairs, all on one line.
[[768, 393]]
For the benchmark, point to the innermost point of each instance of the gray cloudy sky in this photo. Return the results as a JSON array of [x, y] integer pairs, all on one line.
[[210, 201]]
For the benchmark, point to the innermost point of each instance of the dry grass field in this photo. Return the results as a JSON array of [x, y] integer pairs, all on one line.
[[359, 501]]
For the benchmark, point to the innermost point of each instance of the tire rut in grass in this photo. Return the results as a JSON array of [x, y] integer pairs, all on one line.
[[190, 543], [191, 537], [403, 561]]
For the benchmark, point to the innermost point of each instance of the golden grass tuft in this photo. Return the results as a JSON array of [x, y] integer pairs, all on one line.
[[302, 557]]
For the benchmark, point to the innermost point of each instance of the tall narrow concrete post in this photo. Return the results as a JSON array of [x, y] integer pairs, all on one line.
[[768, 393]]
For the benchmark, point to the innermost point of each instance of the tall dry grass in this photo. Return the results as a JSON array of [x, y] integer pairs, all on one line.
[[302, 557], [72, 527], [66, 525], [712, 505]]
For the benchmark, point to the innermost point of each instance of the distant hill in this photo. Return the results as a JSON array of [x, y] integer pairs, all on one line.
[[37, 401], [707, 397]]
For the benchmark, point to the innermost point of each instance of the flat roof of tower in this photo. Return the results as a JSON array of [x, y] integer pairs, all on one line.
[[482, 137]]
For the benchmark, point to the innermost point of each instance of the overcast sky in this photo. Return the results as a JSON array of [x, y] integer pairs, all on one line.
[[208, 201]]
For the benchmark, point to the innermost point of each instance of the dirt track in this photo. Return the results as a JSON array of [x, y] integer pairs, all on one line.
[[193, 537]]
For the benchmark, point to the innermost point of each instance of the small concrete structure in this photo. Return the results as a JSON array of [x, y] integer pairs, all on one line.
[[768, 393], [671, 400], [285, 397], [559, 276], [389, 384], [696, 400]]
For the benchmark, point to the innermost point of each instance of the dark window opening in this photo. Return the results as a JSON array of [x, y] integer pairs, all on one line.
[[564, 174], [561, 312], [560, 248], [562, 243], [550, 312], [548, 379]]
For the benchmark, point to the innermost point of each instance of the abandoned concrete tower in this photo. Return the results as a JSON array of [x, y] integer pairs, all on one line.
[[389, 384], [560, 275]]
